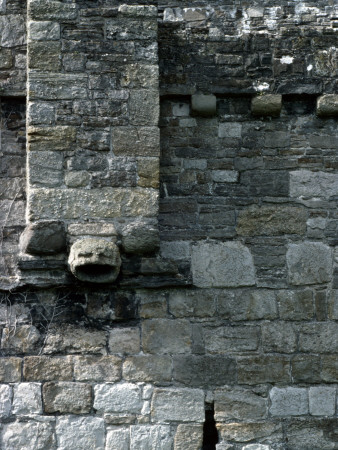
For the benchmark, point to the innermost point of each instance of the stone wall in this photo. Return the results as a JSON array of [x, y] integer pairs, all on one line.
[[219, 207]]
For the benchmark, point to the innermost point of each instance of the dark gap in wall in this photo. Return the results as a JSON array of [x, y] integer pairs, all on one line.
[[210, 434], [298, 104]]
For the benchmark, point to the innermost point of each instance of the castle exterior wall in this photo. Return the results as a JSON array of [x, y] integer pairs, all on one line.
[[188, 149]]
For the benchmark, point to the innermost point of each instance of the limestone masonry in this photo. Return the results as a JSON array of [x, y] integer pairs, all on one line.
[[168, 225]]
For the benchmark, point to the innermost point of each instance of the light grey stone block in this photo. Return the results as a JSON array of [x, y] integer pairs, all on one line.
[[20, 435], [322, 400], [118, 438], [180, 404], [229, 130], [97, 368], [289, 401], [5, 400], [147, 368], [51, 10], [227, 264], [13, 30], [145, 437], [224, 176], [307, 184], [279, 337], [123, 397], [27, 399], [41, 113], [238, 403], [309, 263], [80, 433]]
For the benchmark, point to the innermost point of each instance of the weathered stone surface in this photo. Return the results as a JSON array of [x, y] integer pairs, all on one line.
[[271, 221], [224, 176], [45, 55], [222, 265], [79, 178], [144, 437], [79, 433], [27, 399], [231, 339], [329, 370], [71, 339], [229, 130], [295, 305], [239, 305], [184, 405], [20, 435], [263, 369], [140, 237], [41, 113], [93, 229], [310, 434], [10, 370], [118, 438], [144, 107], [183, 303], [94, 260], [289, 401], [309, 263], [96, 203], [245, 432], [307, 184], [319, 337], [322, 400], [129, 29], [136, 141], [97, 368], [13, 30], [266, 105], [53, 10], [50, 164], [44, 31], [51, 138], [58, 86], [22, 339], [148, 172], [239, 403], [306, 369], [123, 397], [124, 340], [6, 58], [44, 238], [166, 336], [203, 105], [45, 368], [327, 105], [188, 437], [67, 397], [279, 337], [147, 368], [6, 396], [138, 10]]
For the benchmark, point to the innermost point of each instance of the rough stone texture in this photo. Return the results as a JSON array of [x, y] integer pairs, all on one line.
[[124, 397], [140, 238], [222, 265], [271, 220], [21, 434], [27, 399], [266, 105], [79, 433], [166, 336], [281, 338], [67, 397], [309, 263], [6, 396], [307, 184], [322, 401], [188, 437], [240, 404], [10, 370], [318, 337], [289, 401], [264, 369], [124, 340], [231, 339], [184, 405], [246, 432], [44, 238], [22, 339], [97, 369], [327, 105], [44, 368], [144, 437], [147, 368], [118, 438], [306, 434]]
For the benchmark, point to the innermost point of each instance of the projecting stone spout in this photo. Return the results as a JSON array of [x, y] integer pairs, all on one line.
[[94, 261]]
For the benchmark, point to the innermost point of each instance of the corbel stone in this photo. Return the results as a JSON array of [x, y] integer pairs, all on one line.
[[203, 105], [327, 105], [269, 105]]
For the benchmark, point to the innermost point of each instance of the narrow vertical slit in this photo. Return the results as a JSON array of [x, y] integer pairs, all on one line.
[[210, 434]]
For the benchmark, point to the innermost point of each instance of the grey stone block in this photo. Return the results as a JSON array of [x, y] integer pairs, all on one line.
[[230, 130], [67, 397], [44, 31], [118, 398], [222, 265], [327, 105], [188, 437], [228, 339], [118, 438], [6, 396], [279, 337], [289, 401], [10, 370], [80, 432], [322, 400], [178, 404], [140, 237], [203, 105], [309, 263], [45, 238], [319, 337], [236, 403], [19, 434], [143, 437], [51, 10], [266, 105], [166, 336], [44, 368], [307, 184], [97, 368], [249, 431], [263, 369], [124, 340], [144, 368], [27, 399]]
